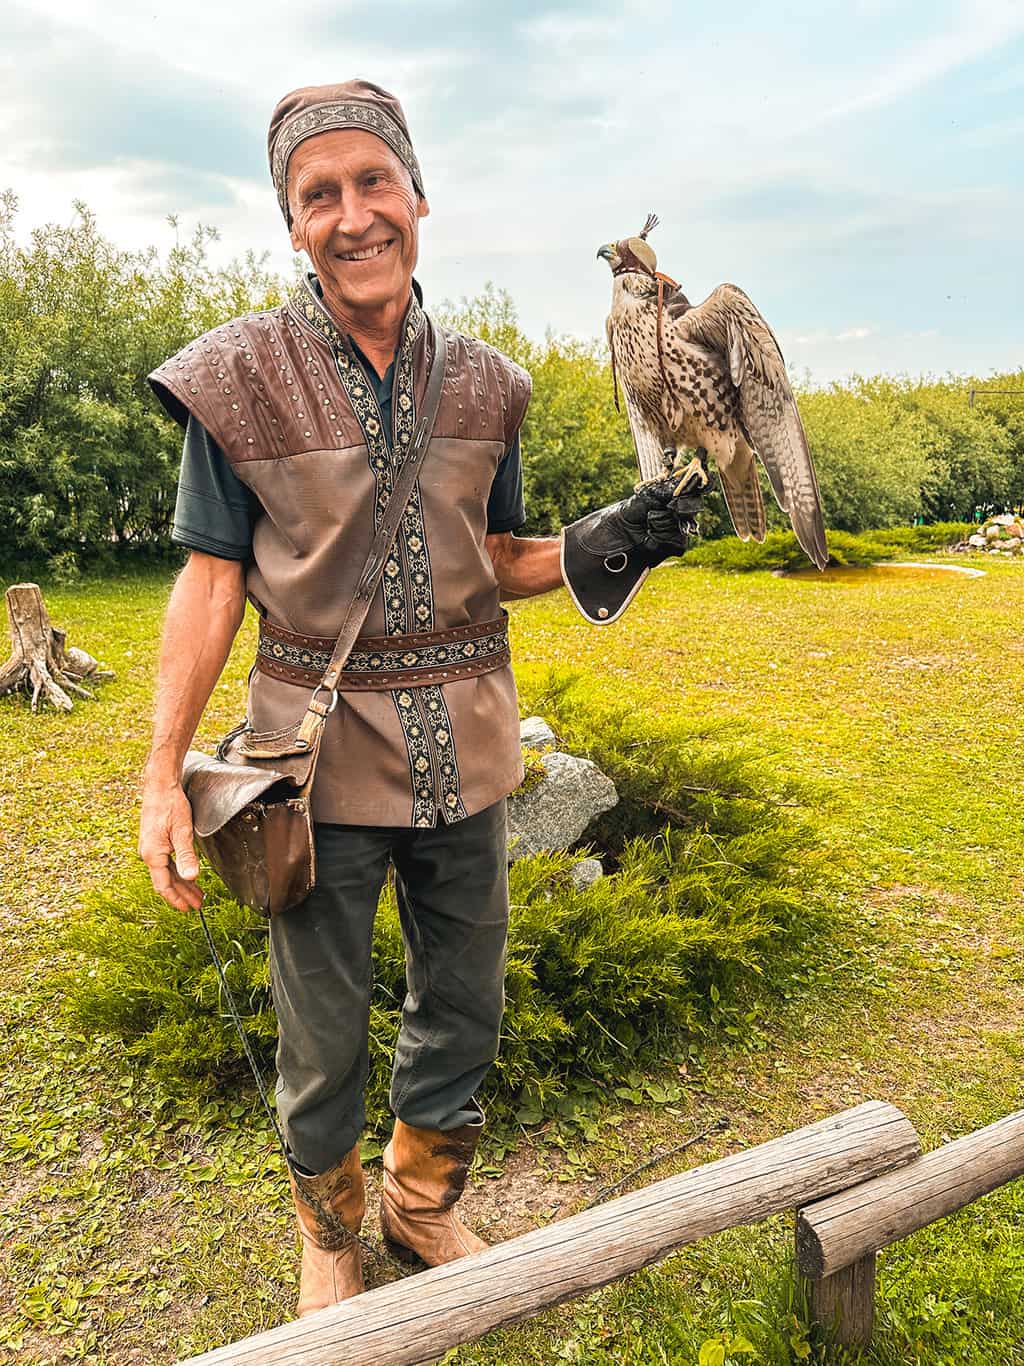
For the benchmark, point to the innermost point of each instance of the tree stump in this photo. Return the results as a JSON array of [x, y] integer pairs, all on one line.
[[40, 661]]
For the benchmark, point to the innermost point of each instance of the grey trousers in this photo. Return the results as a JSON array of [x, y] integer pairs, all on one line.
[[452, 884]]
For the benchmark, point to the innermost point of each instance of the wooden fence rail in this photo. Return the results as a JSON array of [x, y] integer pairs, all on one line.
[[837, 1238], [417, 1320]]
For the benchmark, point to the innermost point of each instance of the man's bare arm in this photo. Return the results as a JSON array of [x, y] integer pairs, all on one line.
[[524, 566], [206, 608]]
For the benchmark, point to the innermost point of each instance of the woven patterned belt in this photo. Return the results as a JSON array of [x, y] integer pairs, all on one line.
[[378, 663]]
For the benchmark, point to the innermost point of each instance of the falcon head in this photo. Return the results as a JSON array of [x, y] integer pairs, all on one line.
[[632, 253]]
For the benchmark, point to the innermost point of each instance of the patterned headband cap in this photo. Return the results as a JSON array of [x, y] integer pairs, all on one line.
[[322, 108]]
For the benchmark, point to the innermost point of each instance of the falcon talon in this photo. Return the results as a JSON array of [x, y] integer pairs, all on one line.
[[693, 476]]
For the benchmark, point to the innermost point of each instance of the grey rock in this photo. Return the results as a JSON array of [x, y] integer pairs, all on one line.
[[536, 733], [585, 873], [554, 812], [977, 540]]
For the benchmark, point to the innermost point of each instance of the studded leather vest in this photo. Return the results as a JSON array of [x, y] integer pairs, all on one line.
[[283, 395]]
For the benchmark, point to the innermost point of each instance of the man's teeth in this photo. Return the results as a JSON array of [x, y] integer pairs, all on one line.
[[365, 255]]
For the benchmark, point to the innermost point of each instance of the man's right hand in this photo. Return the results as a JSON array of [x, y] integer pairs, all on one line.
[[166, 844]]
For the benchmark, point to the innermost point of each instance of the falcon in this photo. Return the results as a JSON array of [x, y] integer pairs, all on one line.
[[709, 377]]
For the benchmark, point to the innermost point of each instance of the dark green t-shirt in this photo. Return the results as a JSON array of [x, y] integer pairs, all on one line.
[[215, 511]]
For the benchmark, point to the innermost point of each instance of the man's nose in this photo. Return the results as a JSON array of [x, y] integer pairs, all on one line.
[[354, 215]]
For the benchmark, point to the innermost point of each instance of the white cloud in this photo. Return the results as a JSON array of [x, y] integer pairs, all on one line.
[[980, 27], [546, 129], [568, 30], [820, 338]]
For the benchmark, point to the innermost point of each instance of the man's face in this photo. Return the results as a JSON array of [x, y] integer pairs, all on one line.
[[349, 194]]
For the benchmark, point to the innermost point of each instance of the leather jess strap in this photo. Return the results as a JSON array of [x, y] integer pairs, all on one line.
[[319, 708]]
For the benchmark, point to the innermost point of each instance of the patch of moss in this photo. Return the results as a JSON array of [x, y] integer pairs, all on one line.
[[534, 769]]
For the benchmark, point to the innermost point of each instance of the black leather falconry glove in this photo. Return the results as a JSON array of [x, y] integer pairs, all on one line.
[[607, 555]]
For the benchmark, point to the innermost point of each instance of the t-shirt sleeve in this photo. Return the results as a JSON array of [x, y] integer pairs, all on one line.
[[506, 510], [214, 511]]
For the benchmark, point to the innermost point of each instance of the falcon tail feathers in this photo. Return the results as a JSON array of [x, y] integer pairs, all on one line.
[[810, 532], [745, 504]]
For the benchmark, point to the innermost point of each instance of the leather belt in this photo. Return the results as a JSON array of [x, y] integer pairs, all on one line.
[[378, 663]]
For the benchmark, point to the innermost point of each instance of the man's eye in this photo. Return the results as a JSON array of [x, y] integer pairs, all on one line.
[[373, 180]]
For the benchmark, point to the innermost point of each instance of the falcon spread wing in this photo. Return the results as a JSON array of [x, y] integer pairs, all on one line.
[[728, 323]]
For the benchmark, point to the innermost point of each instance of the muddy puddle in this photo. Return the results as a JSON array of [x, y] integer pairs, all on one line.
[[904, 573]]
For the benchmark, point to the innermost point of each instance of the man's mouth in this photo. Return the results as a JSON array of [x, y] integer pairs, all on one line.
[[367, 253]]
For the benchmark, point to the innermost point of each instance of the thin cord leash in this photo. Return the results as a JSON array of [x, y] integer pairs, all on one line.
[[666, 1153], [319, 1209]]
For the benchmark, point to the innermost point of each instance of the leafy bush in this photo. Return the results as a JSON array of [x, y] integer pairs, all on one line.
[[889, 450], [870, 454], [577, 450], [696, 775], [88, 462], [780, 549], [645, 961]]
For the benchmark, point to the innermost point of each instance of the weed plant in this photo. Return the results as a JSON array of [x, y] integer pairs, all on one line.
[[709, 886]]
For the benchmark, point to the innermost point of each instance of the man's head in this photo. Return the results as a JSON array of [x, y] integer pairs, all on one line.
[[348, 183]]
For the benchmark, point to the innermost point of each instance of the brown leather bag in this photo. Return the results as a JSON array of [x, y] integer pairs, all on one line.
[[251, 801]]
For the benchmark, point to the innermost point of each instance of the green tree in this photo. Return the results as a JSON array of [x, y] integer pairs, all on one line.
[[577, 450], [869, 452], [88, 462], [970, 452]]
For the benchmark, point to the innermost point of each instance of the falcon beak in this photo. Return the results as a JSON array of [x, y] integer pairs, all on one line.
[[606, 252]]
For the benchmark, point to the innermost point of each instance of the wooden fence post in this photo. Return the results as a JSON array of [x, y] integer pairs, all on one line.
[[417, 1320], [844, 1303], [837, 1238]]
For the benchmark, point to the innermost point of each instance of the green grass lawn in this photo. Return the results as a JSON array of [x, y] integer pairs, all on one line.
[[138, 1227]]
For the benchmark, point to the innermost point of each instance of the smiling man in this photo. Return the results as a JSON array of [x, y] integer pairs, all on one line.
[[296, 422]]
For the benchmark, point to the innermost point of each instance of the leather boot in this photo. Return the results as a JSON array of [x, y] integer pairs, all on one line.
[[424, 1175], [332, 1263]]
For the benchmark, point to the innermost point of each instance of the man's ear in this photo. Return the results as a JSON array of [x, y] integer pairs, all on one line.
[[297, 242], [422, 207]]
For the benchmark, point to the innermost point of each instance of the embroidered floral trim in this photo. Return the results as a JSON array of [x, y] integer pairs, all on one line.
[[440, 724], [410, 659], [421, 770], [403, 409], [435, 776]]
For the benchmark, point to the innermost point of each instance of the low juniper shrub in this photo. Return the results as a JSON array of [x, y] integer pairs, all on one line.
[[780, 549], [708, 894]]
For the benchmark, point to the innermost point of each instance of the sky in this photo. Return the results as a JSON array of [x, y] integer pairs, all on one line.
[[857, 167]]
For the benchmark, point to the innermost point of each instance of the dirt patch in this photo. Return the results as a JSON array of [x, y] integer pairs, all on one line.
[[891, 893]]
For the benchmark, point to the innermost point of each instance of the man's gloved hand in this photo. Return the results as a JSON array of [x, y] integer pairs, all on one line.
[[607, 555], [654, 519]]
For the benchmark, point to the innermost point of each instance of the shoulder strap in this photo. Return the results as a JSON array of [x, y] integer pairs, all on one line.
[[324, 695]]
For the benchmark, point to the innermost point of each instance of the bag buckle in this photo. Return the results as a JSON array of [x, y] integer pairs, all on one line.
[[316, 716], [317, 706]]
